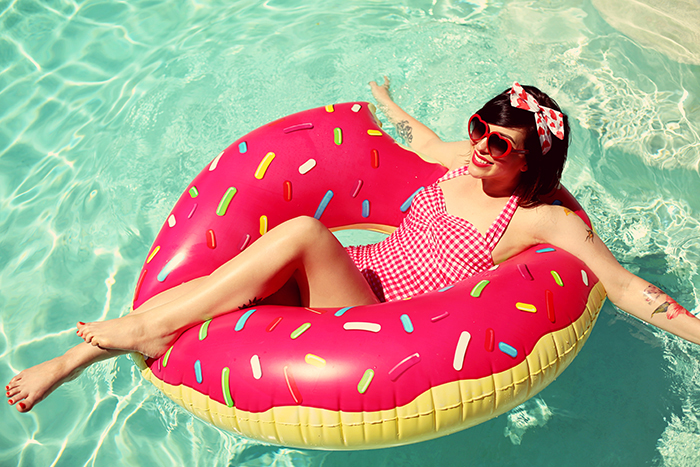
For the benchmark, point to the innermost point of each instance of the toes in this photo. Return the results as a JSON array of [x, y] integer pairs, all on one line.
[[12, 392]]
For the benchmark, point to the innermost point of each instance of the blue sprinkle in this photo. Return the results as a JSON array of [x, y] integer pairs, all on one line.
[[365, 208], [545, 250], [243, 147], [556, 202], [507, 349], [342, 311], [169, 266], [198, 371], [324, 202], [446, 288], [407, 204], [243, 319], [407, 324]]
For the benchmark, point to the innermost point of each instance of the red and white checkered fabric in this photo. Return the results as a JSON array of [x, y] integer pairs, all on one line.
[[431, 249]]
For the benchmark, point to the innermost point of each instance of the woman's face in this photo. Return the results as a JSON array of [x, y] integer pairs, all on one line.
[[507, 168]]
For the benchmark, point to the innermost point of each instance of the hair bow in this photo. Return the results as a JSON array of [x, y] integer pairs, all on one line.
[[549, 121]]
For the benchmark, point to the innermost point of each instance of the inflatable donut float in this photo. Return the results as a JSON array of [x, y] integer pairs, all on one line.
[[356, 377]]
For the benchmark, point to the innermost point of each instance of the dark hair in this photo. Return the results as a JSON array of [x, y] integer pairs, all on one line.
[[543, 171]]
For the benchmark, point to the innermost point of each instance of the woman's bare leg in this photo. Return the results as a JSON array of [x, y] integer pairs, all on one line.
[[302, 249]]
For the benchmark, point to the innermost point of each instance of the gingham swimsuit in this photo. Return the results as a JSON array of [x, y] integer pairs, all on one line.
[[431, 249]]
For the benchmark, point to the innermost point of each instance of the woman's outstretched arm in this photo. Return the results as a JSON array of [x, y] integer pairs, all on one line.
[[636, 296], [419, 137]]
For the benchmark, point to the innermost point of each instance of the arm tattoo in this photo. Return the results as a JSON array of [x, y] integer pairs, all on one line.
[[652, 293], [253, 302], [405, 131], [669, 306]]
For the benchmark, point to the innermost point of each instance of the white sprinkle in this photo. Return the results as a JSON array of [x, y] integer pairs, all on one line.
[[461, 350], [306, 166], [584, 276], [255, 366], [171, 220], [361, 326], [215, 162], [356, 108]]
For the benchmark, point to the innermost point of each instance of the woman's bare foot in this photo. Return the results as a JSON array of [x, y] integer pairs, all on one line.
[[32, 385], [136, 332]]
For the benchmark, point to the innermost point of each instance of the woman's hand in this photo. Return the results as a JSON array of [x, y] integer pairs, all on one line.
[[381, 92]]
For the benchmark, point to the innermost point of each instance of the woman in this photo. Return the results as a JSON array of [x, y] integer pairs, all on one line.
[[515, 153]]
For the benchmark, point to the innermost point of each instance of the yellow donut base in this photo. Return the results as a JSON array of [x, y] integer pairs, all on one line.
[[441, 410]]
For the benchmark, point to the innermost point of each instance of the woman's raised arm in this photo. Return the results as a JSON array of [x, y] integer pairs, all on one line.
[[418, 136], [636, 296]]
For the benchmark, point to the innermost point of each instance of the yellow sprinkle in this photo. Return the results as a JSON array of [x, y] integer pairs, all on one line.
[[263, 225], [264, 164], [374, 132], [329, 108], [526, 307], [315, 360], [155, 251]]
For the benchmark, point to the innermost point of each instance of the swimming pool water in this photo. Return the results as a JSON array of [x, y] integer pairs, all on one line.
[[108, 109]]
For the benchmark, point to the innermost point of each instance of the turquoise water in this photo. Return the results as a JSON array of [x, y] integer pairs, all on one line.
[[108, 109]]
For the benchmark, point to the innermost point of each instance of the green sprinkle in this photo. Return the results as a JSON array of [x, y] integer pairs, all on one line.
[[557, 278], [476, 291], [166, 357], [225, 201], [300, 330], [225, 387], [194, 192], [338, 136], [366, 379], [203, 329]]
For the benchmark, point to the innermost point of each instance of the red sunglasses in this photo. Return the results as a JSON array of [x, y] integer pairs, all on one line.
[[497, 145]]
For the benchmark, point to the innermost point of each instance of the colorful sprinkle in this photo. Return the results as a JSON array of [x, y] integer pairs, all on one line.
[[365, 381], [323, 204], [166, 357], [263, 225], [244, 242], [556, 202], [170, 266], [211, 239], [407, 324], [301, 126], [193, 192], [287, 190], [490, 340], [306, 166], [361, 326], [478, 288], [584, 277], [545, 250], [153, 253], [549, 298], [215, 162], [194, 208], [508, 349], [342, 311], [461, 350], [446, 288], [437, 318], [358, 186], [225, 201], [242, 320], [243, 147], [300, 330], [318, 312], [526, 307], [338, 136], [225, 387], [292, 385], [525, 272], [273, 324], [315, 360], [403, 365], [171, 220], [374, 158], [365, 208], [198, 371], [264, 164], [557, 278], [407, 204], [356, 107], [374, 132], [140, 283], [329, 108], [255, 366], [204, 330]]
